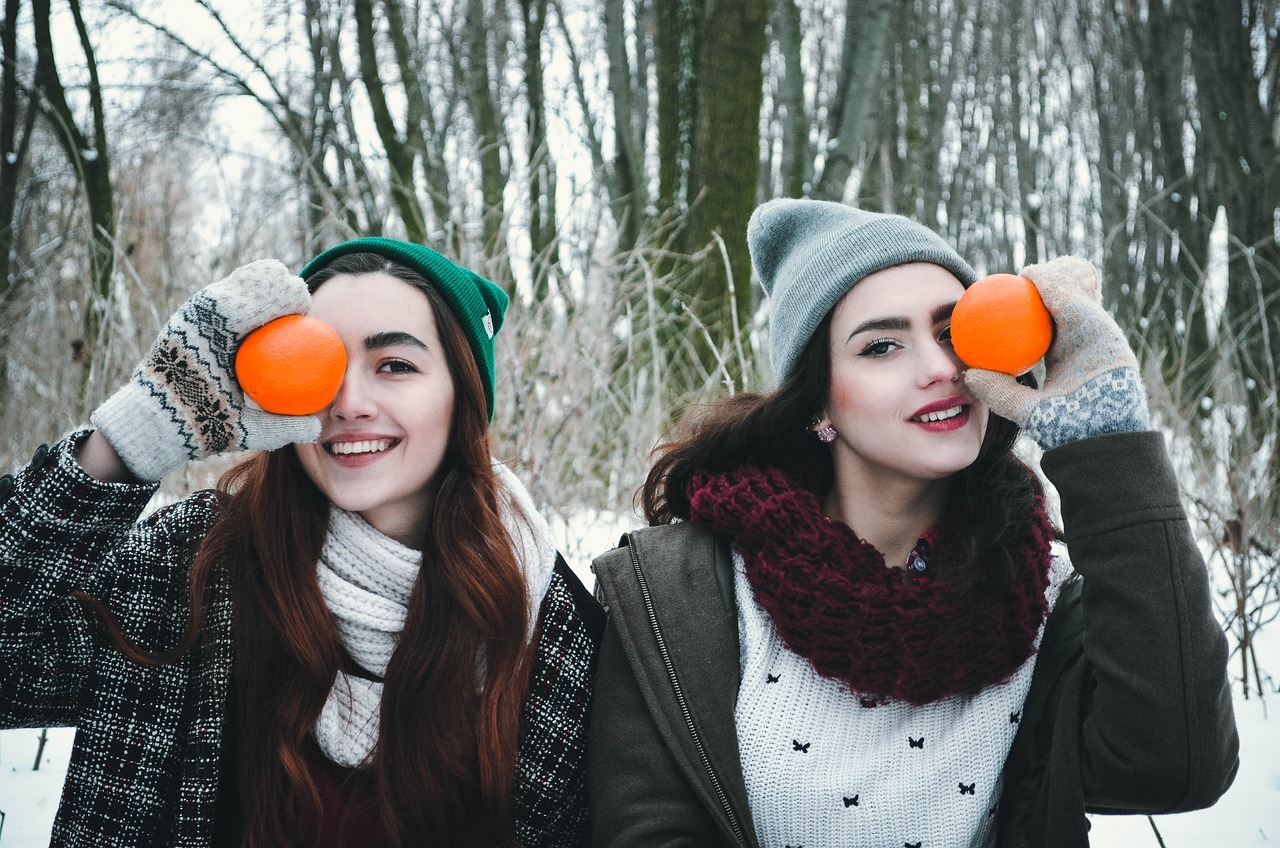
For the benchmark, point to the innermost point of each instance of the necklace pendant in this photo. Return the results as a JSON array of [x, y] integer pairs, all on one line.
[[917, 566]]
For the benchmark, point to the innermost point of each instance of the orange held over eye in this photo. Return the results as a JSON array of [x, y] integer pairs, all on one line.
[[1000, 324], [292, 366]]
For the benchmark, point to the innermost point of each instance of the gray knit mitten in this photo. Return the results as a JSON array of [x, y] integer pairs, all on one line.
[[183, 401], [1092, 385]]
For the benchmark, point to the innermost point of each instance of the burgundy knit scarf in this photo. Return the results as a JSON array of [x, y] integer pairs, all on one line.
[[835, 602]]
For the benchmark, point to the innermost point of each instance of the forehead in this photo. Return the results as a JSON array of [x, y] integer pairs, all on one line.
[[903, 291], [358, 299]]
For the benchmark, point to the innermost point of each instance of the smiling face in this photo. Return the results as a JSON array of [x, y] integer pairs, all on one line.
[[385, 436], [894, 398]]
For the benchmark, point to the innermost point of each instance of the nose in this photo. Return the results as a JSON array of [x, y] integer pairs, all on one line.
[[353, 401], [940, 364]]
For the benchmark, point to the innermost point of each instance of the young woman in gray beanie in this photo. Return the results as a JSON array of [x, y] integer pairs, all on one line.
[[365, 637], [852, 622]]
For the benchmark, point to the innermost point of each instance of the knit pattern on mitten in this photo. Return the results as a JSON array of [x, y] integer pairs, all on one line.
[[183, 401], [1092, 384]]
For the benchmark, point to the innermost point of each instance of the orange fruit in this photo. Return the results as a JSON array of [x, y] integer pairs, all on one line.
[[1000, 324], [292, 365]]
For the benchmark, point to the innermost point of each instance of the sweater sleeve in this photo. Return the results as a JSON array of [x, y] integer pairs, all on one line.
[[59, 528], [1156, 731]]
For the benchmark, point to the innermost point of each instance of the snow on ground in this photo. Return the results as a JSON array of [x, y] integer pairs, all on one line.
[[1248, 816], [29, 798]]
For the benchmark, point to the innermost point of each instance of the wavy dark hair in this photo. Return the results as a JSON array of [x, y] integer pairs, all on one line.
[[443, 768], [772, 429]]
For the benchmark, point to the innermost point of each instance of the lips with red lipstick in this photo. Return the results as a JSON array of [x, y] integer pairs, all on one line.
[[946, 414]]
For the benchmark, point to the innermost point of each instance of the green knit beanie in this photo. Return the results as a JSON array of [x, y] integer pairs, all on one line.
[[478, 304]]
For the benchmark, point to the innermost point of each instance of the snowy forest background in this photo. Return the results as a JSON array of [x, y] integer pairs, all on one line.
[[600, 158]]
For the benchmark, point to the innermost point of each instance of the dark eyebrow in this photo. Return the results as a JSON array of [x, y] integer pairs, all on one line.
[[939, 314], [392, 338], [881, 324]]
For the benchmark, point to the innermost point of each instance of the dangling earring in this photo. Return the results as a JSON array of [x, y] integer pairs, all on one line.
[[827, 434]]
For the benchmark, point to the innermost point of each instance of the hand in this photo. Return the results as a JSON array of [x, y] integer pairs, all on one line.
[[183, 401], [1092, 385]]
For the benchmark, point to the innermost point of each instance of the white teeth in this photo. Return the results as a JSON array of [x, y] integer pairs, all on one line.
[[940, 416], [366, 446]]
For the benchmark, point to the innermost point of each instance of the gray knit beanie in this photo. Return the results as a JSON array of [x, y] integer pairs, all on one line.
[[808, 253]]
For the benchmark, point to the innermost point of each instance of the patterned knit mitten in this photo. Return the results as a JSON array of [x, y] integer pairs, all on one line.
[[183, 401], [1092, 385]]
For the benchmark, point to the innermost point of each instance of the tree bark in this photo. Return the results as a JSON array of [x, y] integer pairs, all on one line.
[[1241, 170], [13, 155], [490, 139], [401, 157], [91, 159], [542, 173], [628, 194], [677, 32], [866, 31], [725, 159], [796, 165]]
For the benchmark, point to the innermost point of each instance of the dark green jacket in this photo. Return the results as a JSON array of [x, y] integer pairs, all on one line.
[[1129, 709]]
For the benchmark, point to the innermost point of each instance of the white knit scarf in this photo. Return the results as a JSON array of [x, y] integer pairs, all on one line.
[[366, 578]]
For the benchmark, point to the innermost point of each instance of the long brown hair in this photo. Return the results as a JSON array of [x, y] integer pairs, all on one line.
[[773, 430], [442, 770]]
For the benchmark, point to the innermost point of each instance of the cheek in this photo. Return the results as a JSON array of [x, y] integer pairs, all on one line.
[[845, 393], [308, 459]]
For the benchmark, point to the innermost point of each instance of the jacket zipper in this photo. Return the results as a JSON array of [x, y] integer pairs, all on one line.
[[684, 707]]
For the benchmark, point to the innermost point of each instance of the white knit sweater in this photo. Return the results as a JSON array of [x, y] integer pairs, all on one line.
[[822, 770]]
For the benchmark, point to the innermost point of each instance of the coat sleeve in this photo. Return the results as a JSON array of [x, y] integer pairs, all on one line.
[[1153, 727], [638, 794], [58, 529], [550, 791]]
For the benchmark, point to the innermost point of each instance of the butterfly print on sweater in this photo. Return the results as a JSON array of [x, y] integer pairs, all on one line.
[[772, 678], [968, 790], [916, 743], [796, 746], [850, 802]]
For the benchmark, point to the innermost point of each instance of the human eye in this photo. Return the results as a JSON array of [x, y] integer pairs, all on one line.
[[396, 366], [945, 335], [879, 348]]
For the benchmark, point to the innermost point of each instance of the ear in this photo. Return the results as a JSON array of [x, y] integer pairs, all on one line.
[[819, 420]]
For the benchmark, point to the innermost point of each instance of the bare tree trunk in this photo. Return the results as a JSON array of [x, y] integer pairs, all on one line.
[[725, 160], [676, 44], [866, 31], [490, 138], [13, 157], [627, 183], [421, 127], [400, 156], [796, 166], [542, 173], [1241, 170], [91, 159]]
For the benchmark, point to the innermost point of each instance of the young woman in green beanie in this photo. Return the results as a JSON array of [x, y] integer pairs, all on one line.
[[364, 637], [852, 622]]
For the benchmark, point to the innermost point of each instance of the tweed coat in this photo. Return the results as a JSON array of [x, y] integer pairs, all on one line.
[[1129, 709], [145, 766]]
